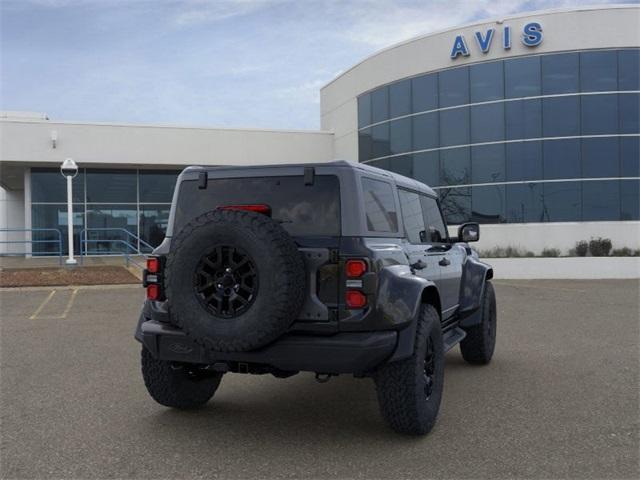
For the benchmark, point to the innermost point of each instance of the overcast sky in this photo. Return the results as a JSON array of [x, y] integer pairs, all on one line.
[[230, 63]]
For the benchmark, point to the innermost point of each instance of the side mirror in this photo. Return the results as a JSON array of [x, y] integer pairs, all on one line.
[[469, 232]]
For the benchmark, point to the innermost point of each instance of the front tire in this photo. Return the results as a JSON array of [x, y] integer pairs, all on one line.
[[177, 386], [478, 346], [410, 390]]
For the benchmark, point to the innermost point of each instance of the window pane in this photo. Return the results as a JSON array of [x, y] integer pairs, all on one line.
[[560, 73], [426, 168], [599, 114], [600, 157], [424, 92], [524, 203], [364, 110], [53, 217], [113, 221], [153, 224], [402, 165], [487, 164], [437, 232], [412, 216], [522, 77], [487, 81], [487, 123], [601, 200], [488, 204], [456, 204], [630, 156], [400, 133], [365, 145], [380, 105], [561, 116], [599, 71], [455, 166], [454, 87], [629, 113], [380, 140], [379, 204], [523, 119], [48, 185], [629, 69], [454, 127], [400, 98], [561, 159], [157, 186], [118, 186], [425, 131], [524, 161], [630, 200], [562, 201]]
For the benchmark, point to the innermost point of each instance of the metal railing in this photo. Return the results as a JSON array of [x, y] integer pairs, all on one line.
[[58, 241], [128, 252]]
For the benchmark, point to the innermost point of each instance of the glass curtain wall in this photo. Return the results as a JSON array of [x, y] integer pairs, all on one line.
[[542, 138], [119, 210]]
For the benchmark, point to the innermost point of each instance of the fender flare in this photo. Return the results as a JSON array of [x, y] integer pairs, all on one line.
[[411, 292], [475, 275]]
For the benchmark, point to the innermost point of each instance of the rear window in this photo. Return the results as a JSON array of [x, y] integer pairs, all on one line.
[[303, 210], [379, 206]]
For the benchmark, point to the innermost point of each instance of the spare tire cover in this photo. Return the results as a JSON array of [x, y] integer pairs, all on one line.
[[234, 280]]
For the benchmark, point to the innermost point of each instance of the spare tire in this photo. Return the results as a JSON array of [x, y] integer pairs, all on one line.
[[234, 280]]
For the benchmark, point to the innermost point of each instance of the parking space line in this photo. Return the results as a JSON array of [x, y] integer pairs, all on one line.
[[69, 303], [42, 305]]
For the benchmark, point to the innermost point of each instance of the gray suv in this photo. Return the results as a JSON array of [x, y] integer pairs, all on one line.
[[329, 268]]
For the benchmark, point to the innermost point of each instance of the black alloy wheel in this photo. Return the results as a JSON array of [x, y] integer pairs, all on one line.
[[226, 281]]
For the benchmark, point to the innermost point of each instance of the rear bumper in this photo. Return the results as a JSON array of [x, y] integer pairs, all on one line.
[[348, 352]]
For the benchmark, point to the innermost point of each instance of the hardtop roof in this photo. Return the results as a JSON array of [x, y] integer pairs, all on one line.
[[399, 180]]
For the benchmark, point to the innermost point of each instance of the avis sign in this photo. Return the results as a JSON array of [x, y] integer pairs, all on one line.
[[531, 37]]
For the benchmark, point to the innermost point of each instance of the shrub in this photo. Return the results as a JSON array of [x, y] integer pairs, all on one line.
[[505, 252], [581, 248], [600, 247], [550, 252], [625, 252]]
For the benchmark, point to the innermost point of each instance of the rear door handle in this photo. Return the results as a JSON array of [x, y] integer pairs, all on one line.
[[444, 262]]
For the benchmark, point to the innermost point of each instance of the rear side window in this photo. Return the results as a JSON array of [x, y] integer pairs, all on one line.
[[302, 210], [379, 206], [412, 217], [437, 232]]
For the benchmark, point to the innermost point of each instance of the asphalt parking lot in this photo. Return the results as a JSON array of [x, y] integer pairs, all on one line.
[[560, 399]]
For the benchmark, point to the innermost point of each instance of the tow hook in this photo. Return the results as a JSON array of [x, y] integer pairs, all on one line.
[[323, 377]]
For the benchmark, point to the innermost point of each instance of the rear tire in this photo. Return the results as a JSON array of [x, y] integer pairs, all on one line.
[[478, 346], [410, 390], [177, 386]]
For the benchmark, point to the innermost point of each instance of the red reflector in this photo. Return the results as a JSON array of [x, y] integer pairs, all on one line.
[[355, 268], [153, 265], [265, 209], [153, 292], [356, 299]]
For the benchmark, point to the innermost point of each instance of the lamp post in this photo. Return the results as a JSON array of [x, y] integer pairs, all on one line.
[[69, 170]]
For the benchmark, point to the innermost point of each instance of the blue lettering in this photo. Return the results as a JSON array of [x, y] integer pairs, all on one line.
[[506, 38], [532, 34], [485, 43], [459, 47]]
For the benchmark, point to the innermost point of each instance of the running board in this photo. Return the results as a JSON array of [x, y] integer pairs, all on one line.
[[453, 337]]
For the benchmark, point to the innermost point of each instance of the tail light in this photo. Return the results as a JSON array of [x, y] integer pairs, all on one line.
[[355, 269], [152, 279], [153, 265], [258, 208], [153, 291], [356, 299]]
